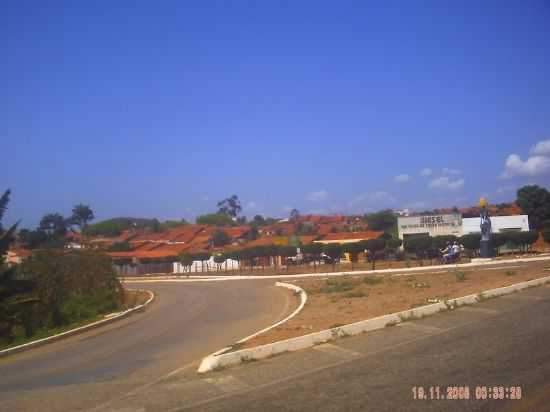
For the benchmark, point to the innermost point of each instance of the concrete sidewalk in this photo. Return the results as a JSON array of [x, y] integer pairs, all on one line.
[[499, 342]]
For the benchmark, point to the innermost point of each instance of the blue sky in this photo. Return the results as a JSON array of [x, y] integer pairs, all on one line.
[[160, 109]]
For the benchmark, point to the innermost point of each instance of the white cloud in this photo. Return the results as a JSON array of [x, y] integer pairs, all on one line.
[[251, 205], [426, 172], [404, 178], [542, 148], [374, 198], [448, 171], [317, 196], [533, 166], [445, 183]]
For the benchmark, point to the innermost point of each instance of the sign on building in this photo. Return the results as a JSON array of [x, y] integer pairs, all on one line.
[[433, 225]]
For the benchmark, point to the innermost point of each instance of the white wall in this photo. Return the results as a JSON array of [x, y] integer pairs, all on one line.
[[498, 223], [209, 265]]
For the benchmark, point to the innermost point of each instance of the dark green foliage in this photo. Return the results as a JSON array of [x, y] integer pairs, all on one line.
[[522, 240], [230, 206], [499, 240], [186, 259], [54, 225], [220, 238], [32, 238], [535, 202], [383, 220], [171, 224], [471, 243], [114, 227], [82, 214], [215, 219], [546, 235], [375, 247], [57, 289], [393, 243]]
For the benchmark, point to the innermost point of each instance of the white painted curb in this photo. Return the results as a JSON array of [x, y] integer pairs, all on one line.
[[220, 359], [81, 329], [330, 274], [210, 362]]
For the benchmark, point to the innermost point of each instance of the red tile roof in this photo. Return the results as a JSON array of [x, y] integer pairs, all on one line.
[[371, 234]]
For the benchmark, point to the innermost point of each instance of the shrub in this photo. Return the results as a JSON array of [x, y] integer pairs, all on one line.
[[336, 286], [460, 276], [373, 280]]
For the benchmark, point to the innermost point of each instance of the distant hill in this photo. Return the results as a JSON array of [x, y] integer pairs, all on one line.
[[115, 226]]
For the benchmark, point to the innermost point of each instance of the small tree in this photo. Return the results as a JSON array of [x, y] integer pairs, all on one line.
[[230, 206], [186, 261], [375, 246], [498, 240], [219, 260], [54, 225], [354, 249], [334, 251], [286, 252], [82, 214], [420, 246]]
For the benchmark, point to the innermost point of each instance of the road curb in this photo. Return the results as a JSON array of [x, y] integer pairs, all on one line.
[[40, 342], [211, 361], [220, 359]]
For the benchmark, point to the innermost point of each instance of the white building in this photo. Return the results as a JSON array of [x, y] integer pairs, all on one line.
[[514, 223], [456, 225], [432, 225]]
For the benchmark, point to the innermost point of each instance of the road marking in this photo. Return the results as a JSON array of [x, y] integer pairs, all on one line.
[[480, 310], [228, 384], [426, 328], [337, 351]]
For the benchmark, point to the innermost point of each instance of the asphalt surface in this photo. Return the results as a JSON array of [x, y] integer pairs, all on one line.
[[499, 342], [185, 323]]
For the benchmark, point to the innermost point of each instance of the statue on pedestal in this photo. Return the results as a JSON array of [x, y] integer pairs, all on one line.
[[485, 245]]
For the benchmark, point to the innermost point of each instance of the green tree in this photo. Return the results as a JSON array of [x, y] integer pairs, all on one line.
[[313, 250], [220, 238], [535, 202], [384, 220], [546, 235], [219, 260], [186, 260], [523, 240], [230, 206], [375, 247], [32, 239], [54, 225], [353, 249], [294, 214], [419, 245], [393, 243], [202, 257], [334, 251], [82, 214], [498, 240], [258, 220]]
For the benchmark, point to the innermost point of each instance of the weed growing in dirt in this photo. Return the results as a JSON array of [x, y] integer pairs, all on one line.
[[373, 280], [336, 286], [510, 273], [356, 294], [460, 276]]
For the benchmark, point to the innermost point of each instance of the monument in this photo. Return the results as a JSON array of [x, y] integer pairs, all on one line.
[[485, 244]]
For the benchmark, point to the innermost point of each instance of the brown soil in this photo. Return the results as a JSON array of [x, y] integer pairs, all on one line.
[[329, 305]]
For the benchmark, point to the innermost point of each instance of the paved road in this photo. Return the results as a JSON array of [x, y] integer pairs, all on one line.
[[503, 341], [184, 323]]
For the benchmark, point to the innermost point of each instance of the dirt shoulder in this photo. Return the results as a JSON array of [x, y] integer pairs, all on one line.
[[338, 301]]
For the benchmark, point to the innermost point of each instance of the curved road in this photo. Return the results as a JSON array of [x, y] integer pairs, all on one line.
[[186, 322]]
